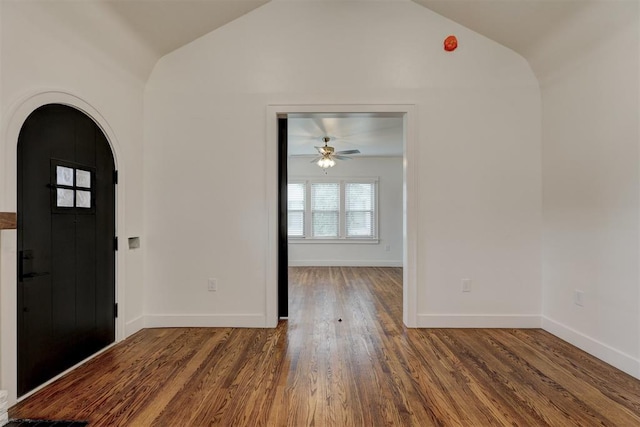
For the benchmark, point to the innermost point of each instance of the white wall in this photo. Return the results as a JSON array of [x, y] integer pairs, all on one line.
[[388, 170], [591, 177], [479, 192], [478, 127], [54, 52]]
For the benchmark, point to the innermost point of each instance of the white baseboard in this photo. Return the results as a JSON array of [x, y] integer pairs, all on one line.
[[602, 351], [343, 263], [478, 321], [205, 321], [133, 326]]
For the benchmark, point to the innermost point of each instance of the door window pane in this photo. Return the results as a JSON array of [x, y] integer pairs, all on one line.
[[83, 199], [65, 198], [83, 178], [73, 189], [64, 176]]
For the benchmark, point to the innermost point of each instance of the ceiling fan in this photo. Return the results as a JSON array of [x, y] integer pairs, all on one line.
[[328, 155]]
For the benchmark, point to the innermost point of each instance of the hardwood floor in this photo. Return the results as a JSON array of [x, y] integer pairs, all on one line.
[[342, 359]]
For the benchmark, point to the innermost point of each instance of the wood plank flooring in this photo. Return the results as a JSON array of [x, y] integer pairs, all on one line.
[[342, 359]]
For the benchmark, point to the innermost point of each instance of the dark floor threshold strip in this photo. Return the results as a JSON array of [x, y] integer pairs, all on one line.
[[45, 423]]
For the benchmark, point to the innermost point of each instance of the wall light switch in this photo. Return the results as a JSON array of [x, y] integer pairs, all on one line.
[[212, 285], [466, 285]]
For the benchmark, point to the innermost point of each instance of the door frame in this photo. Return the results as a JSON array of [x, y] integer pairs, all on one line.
[[12, 124], [410, 199]]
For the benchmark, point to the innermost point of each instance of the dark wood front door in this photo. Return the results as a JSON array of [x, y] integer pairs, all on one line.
[[66, 233]]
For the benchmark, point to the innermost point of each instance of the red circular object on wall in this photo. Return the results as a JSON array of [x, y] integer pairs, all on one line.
[[450, 43]]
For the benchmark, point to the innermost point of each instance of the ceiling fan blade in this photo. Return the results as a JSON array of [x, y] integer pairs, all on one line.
[[339, 157], [319, 122], [348, 152], [316, 159], [321, 150]]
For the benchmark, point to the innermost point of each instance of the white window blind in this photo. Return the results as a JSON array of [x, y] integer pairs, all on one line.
[[328, 211], [359, 209], [296, 201], [325, 209]]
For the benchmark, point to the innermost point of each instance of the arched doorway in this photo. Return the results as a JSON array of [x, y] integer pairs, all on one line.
[[66, 248]]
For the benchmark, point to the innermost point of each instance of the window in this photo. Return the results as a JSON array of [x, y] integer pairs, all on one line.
[[295, 208], [359, 200], [341, 210], [73, 188], [325, 209]]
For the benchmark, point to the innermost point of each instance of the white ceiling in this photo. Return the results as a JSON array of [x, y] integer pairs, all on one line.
[[372, 134], [166, 25]]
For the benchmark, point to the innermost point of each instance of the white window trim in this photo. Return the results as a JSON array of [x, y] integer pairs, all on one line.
[[308, 238]]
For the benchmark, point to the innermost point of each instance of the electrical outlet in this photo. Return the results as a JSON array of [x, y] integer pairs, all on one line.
[[466, 285], [578, 298], [212, 285], [387, 248]]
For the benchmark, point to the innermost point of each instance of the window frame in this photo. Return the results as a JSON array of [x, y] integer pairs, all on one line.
[[342, 238], [54, 186]]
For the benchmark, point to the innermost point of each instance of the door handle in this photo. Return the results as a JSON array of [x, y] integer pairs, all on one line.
[[25, 266]]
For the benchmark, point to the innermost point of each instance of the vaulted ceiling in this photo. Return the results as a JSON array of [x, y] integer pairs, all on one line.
[[169, 24], [521, 25], [532, 28]]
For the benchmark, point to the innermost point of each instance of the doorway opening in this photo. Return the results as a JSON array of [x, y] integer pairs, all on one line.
[[367, 228]]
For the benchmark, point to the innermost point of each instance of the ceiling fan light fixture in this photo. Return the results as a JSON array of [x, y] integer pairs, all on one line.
[[326, 162]]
